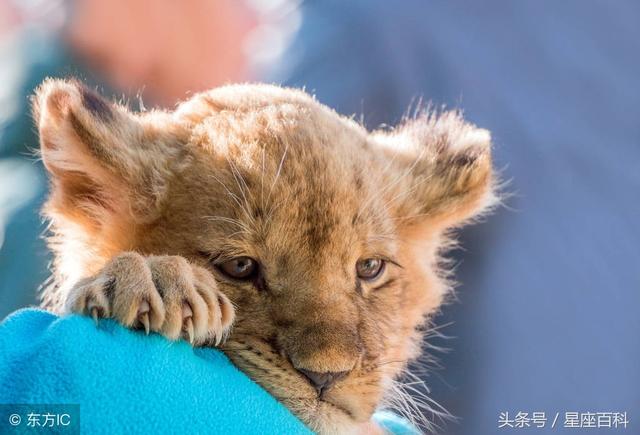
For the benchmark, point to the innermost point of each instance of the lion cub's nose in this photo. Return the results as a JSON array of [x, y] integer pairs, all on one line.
[[322, 381]]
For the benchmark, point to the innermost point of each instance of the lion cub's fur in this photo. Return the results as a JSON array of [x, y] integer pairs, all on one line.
[[271, 173]]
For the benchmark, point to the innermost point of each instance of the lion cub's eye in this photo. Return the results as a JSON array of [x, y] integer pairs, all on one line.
[[242, 268], [369, 269]]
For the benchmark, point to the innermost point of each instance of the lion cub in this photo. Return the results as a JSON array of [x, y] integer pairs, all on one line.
[[256, 214]]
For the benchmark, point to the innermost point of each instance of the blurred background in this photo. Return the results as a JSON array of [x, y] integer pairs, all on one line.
[[547, 317]]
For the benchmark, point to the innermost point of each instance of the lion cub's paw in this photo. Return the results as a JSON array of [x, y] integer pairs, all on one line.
[[165, 294]]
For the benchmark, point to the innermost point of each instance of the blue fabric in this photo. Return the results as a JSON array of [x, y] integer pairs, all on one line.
[[394, 424], [126, 382]]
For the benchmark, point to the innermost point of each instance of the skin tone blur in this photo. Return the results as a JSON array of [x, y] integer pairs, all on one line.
[[8, 18], [164, 49]]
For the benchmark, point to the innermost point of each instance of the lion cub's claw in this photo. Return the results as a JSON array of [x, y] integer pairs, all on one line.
[[94, 314], [143, 316], [187, 322]]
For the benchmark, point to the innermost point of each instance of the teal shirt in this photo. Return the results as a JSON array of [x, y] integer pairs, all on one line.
[[121, 381]]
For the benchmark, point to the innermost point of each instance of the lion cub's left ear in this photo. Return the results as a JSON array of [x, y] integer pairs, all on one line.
[[441, 168], [102, 159]]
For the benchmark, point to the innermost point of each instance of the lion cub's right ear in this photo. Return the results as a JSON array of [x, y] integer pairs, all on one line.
[[102, 159]]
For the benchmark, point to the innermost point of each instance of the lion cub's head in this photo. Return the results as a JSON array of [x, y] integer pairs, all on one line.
[[325, 236]]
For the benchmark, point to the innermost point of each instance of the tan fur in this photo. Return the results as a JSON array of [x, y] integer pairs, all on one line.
[[141, 203]]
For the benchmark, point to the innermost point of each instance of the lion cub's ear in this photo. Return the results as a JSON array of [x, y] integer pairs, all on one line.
[[442, 169], [102, 158]]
